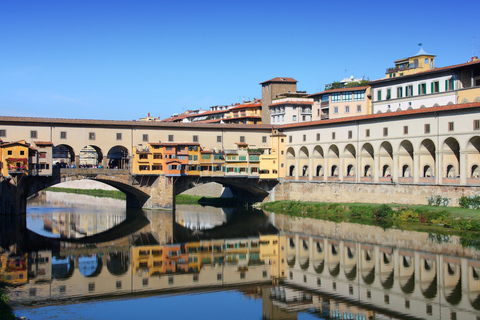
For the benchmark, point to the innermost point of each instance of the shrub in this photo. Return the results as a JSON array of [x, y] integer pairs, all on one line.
[[472, 202], [438, 201]]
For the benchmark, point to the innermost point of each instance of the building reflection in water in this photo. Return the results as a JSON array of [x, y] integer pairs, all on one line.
[[336, 271]]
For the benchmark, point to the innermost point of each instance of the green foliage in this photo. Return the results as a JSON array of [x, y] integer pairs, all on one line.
[[357, 84], [383, 212], [6, 311], [438, 201], [472, 202]]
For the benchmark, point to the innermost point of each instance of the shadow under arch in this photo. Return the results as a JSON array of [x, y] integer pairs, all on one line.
[[117, 263], [59, 273], [96, 271]]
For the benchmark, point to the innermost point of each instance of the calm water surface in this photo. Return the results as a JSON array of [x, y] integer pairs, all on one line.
[[85, 258]]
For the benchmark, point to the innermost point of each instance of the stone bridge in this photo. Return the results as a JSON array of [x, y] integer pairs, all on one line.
[[142, 191]]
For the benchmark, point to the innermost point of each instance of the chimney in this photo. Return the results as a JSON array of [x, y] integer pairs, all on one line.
[[149, 114], [474, 58]]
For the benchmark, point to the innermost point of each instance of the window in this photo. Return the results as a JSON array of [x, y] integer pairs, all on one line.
[[170, 138], [290, 139], [333, 135], [350, 134], [304, 278], [386, 298], [407, 304], [62, 289], [450, 126], [91, 136], [195, 138], [435, 87], [43, 155], [145, 138], [22, 153], [318, 136], [476, 124], [195, 278], [335, 109], [429, 309], [294, 118], [91, 287], [347, 96], [119, 284], [449, 84], [385, 132], [119, 136], [347, 109], [350, 289], [219, 138], [319, 282], [359, 95], [304, 137], [359, 108], [219, 276], [264, 139], [405, 129], [3, 133], [33, 134], [399, 92], [369, 294], [63, 135], [379, 95], [32, 292], [170, 280], [9, 152], [242, 275], [427, 128], [264, 273], [145, 282], [334, 286], [336, 97], [389, 93], [367, 133], [422, 88], [242, 139], [408, 91]]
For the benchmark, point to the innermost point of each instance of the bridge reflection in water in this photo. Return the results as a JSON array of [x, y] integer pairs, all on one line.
[[332, 270]]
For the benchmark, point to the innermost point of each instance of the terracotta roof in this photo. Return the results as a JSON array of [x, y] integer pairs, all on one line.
[[280, 79], [426, 72], [43, 143], [16, 142], [133, 124], [291, 102], [339, 90], [173, 144], [241, 144], [247, 105], [226, 120], [384, 115], [210, 121], [206, 151]]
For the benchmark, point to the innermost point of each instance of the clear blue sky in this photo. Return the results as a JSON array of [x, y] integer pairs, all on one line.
[[120, 60]]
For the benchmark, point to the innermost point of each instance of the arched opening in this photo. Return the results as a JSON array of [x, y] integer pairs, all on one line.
[[406, 171], [91, 157], [475, 171], [427, 171], [305, 171], [451, 158], [118, 158], [350, 170], [427, 159], [450, 171], [334, 171], [386, 171], [333, 161], [319, 171], [291, 171], [367, 171], [63, 156]]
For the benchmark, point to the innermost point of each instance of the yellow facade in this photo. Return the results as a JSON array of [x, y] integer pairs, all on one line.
[[15, 158], [420, 62], [148, 259], [13, 269], [469, 95]]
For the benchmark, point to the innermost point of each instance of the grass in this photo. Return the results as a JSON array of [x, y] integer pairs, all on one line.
[[115, 194], [438, 220]]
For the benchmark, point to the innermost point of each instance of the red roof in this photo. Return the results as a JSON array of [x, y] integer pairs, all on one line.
[[384, 115], [339, 90], [280, 79], [238, 118], [291, 102], [247, 105], [43, 143]]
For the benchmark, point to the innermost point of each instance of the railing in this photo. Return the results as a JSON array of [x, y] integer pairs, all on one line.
[[325, 116], [366, 179], [450, 180], [333, 179], [426, 180], [349, 179], [385, 179], [93, 171], [405, 179], [473, 180]]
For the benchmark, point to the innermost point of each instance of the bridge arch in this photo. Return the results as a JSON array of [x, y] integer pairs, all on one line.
[[63, 154], [118, 158], [91, 156]]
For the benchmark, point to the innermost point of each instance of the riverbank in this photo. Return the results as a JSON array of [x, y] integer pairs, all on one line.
[[6, 311], [438, 220], [115, 194]]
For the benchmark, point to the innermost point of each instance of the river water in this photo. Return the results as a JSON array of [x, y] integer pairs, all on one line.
[[82, 257]]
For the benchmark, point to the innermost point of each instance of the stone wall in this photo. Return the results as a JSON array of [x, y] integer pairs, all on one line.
[[369, 193], [211, 189]]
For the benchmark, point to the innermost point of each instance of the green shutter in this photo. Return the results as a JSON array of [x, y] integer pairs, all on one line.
[[446, 85], [431, 87], [419, 89]]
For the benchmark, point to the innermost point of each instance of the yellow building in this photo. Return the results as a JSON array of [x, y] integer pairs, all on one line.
[[148, 260], [15, 157], [420, 62], [248, 113], [13, 268], [272, 159]]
